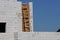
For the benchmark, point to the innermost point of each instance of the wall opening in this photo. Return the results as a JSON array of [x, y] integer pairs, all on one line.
[[2, 27]]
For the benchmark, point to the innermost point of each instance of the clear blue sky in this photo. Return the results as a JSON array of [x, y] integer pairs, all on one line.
[[46, 15]]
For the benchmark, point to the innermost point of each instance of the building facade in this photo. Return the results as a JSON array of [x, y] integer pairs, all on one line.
[[16, 22], [17, 16]]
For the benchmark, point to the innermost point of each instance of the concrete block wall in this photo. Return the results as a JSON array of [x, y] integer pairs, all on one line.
[[31, 15], [39, 36], [9, 12], [6, 36]]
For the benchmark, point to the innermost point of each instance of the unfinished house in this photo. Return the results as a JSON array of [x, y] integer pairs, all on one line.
[[16, 22], [15, 17]]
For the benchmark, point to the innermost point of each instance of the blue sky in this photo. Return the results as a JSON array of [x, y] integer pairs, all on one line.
[[46, 15]]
